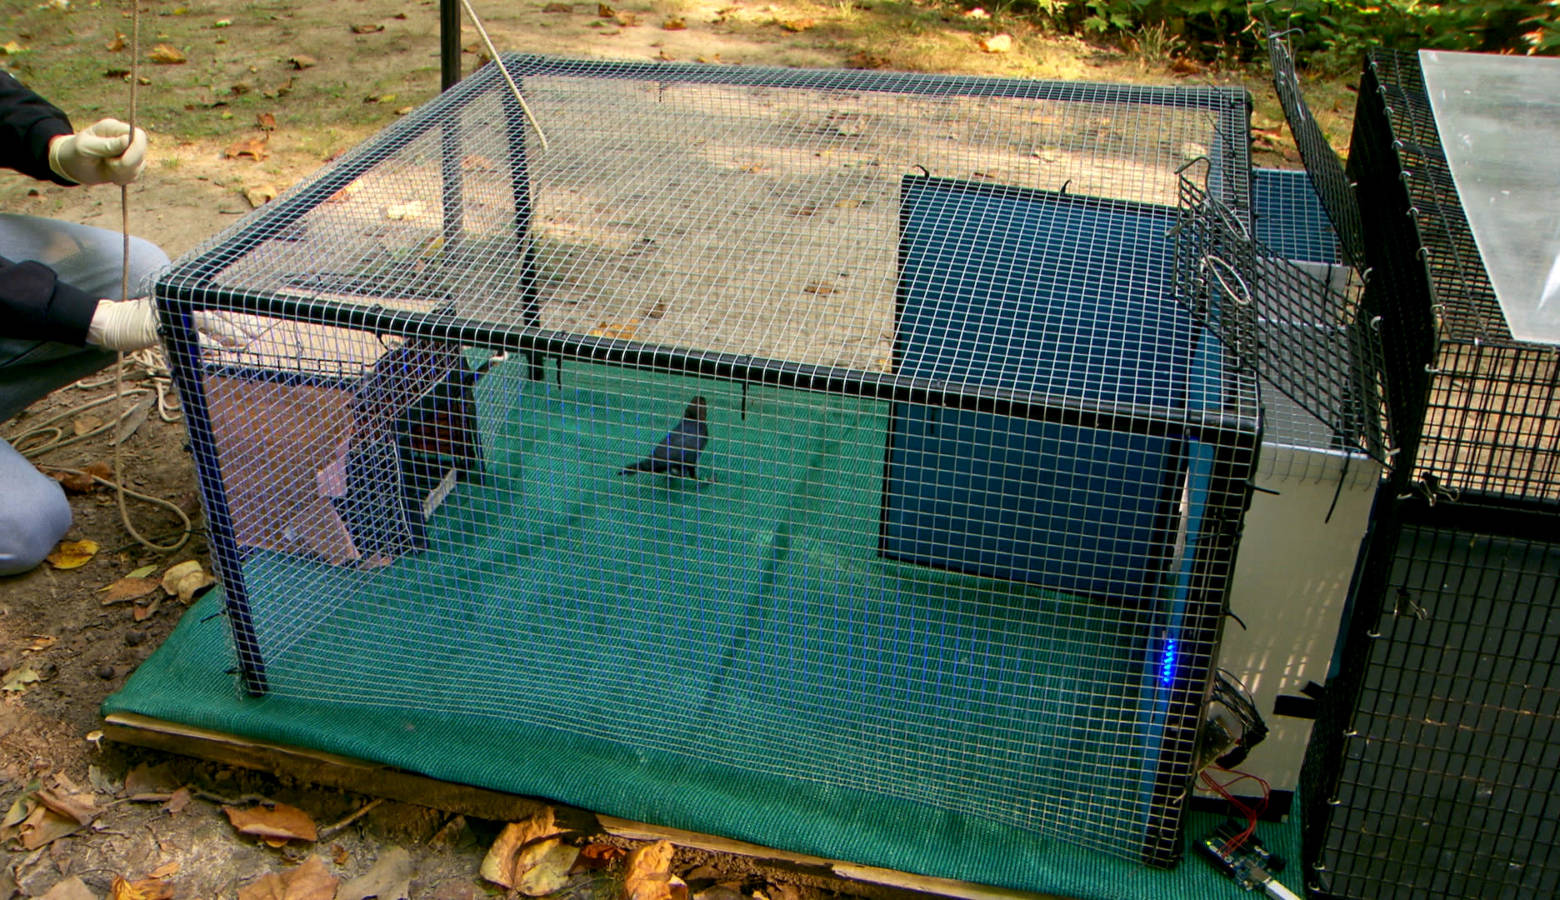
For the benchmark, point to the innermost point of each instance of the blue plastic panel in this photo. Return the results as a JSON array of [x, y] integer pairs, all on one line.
[[1062, 295], [1289, 217]]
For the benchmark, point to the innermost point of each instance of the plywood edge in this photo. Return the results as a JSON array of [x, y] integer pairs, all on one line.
[[378, 780]]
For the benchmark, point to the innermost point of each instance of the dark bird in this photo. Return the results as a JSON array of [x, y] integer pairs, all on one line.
[[678, 452]]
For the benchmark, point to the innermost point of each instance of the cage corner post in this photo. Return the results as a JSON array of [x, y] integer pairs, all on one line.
[[515, 124], [449, 43], [183, 342]]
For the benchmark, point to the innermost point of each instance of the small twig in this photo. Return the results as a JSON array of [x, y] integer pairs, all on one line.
[[330, 830], [235, 801]]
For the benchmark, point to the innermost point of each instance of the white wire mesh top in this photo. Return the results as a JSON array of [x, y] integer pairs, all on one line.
[[752, 212]]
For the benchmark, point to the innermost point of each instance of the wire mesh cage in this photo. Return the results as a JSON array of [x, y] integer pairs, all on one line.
[[1474, 409], [1436, 774], [823, 438]]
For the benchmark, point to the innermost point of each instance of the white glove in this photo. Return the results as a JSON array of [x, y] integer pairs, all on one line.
[[104, 152], [131, 325]]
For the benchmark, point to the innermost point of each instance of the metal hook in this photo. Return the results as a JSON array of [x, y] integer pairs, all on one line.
[[1244, 298]]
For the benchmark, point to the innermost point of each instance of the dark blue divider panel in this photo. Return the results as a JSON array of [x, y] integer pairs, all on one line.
[[1289, 217], [1057, 294]]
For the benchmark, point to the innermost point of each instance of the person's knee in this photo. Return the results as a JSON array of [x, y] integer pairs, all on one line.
[[146, 260], [34, 515]]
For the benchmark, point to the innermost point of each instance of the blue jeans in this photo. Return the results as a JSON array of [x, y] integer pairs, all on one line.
[[33, 511]]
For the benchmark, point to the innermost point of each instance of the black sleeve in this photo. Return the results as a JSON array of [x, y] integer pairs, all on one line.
[[27, 124], [36, 306]]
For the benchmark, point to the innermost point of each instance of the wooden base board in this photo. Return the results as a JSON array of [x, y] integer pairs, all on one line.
[[377, 780]]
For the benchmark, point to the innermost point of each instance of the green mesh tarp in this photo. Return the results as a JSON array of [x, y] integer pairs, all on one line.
[[806, 660]]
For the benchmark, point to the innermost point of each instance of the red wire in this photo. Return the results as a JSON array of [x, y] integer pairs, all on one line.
[[1252, 815]]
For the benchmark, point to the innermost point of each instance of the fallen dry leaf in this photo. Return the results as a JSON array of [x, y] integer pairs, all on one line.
[[75, 482], [819, 288], [148, 780], [302, 61], [40, 642], [389, 878], [72, 554], [1180, 65], [144, 889], [44, 826], [85, 425], [127, 588], [252, 147], [626, 19], [175, 805], [166, 869], [543, 867], [310, 881], [258, 195], [499, 864], [279, 91], [80, 807], [116, 44], [647, 874], [184, 579], [279, 823], [18, 679], [603, 11], [997, 43], [657, 311], [131, 421], [368, 28], [72, 888], [558, 8], [266, 121], [796, 25], [166, 55], [141, 613], [675, 23], [598, 856], [620, 330]]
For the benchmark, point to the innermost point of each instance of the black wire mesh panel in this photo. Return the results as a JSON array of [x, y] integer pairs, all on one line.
[[1437, 774], [824, 437], [1297, 322], [1473, 409], [1321, 161]]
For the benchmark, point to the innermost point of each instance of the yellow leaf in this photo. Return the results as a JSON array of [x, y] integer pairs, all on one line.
[[40, 642], [11, 48], [184, 579], [621, 330], [166, 55], [260, 194], [72, 554]]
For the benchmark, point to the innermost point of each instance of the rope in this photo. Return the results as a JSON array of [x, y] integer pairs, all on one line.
[[123, 396], [513, 88]]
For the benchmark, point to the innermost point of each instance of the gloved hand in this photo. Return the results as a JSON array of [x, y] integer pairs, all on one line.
[[104, 152], [130, 325]]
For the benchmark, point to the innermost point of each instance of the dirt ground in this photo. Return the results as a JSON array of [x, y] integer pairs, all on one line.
[[329, 75]]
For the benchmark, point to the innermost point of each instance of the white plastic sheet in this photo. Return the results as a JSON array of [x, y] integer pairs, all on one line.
[[1499, 119]]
